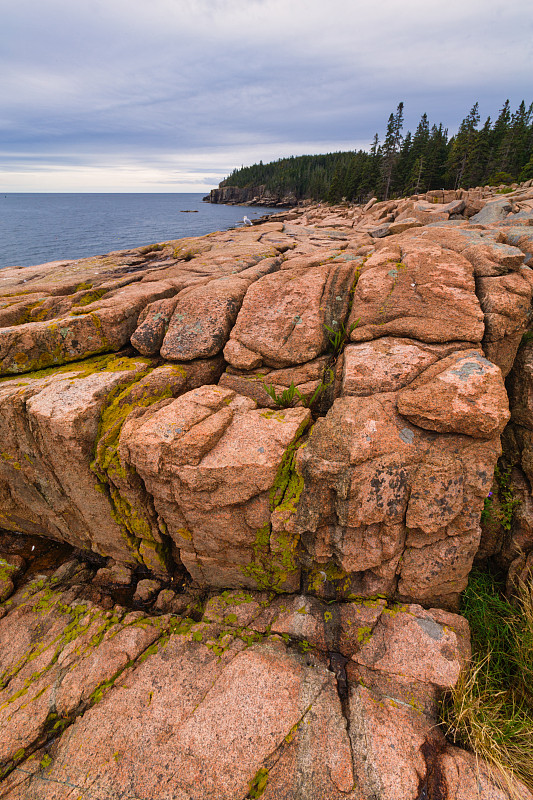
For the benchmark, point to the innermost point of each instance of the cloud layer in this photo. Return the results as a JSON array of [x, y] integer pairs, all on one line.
[[171, 95]]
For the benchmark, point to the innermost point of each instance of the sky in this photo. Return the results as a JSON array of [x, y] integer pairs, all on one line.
[[172, 95]]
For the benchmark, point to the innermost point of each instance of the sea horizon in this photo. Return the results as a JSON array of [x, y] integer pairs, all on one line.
[[37, 227]]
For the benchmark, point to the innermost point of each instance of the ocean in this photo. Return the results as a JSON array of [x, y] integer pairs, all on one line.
[[35, 228]]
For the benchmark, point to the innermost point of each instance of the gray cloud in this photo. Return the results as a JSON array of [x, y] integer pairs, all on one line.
[[168, 88]]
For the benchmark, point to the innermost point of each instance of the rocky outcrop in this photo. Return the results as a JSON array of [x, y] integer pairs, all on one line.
[[327, 701], [250, 196], [279, 446], [397, 344]]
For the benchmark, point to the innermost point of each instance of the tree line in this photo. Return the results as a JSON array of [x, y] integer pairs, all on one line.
[[493, 153]]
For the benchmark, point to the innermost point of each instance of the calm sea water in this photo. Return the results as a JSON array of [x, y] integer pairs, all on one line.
[[35, 228]]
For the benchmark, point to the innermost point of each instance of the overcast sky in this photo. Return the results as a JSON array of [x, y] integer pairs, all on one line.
[[171, 95]]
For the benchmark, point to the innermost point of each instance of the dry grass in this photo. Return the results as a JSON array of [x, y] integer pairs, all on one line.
[[490, 711]]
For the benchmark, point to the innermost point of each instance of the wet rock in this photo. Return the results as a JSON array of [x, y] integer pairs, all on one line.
[[117, 575]]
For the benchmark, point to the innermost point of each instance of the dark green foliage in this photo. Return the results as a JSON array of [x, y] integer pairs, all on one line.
[[491, 618], [410, 164]]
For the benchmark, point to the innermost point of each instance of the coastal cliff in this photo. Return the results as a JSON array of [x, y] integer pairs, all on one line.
[[244, 479], [250, 196]]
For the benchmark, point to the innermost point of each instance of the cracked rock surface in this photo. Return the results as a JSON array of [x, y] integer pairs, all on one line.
[[241, 487]]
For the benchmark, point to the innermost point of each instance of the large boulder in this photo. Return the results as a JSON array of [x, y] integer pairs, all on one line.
[[283, 316], [53, 423], [217, 468], [463, 393], [420, 291]]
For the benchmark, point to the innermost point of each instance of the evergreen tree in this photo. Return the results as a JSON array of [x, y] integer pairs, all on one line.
[[499, 152], [460, 158], [418, 165], [391, 148]]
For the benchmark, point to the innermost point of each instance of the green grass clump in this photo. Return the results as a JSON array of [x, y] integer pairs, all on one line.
[[490, 711], [286, 398], [338, 336]]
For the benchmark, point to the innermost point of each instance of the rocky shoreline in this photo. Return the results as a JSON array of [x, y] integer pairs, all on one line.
[[250, 196], [243, 482]]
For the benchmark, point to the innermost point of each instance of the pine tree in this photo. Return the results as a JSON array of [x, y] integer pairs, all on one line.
[[417, 177], [462, 146], [391, 148]]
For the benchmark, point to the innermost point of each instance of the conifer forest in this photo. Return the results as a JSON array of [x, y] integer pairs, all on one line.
[[495, 152]]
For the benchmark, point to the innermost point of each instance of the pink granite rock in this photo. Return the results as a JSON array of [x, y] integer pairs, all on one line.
[[100, 327], [283, 315], [371, 509], [62, 655], [420, 291], [463, 393], [387, 741], [426, 646], [385, 365], [172, 714], [203, 318], [210, 460], [506, 302]]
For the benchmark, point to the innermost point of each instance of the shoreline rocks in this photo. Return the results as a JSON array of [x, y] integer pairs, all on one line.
[[274, 445]]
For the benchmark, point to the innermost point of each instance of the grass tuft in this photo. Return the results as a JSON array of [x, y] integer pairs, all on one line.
[[490, 711], [338, 336]]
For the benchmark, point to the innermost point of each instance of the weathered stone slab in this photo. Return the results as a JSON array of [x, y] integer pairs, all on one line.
[[49, 425], [100, 327], [493, 211], [283, 316], [463, 393], [202, 319], [422, 291]]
